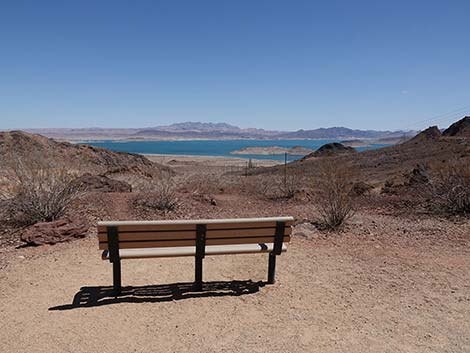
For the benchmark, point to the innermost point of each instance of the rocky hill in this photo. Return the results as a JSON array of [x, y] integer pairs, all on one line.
[[432, 133], [390, 163], [84, 158], [460, 128], [330, 149]]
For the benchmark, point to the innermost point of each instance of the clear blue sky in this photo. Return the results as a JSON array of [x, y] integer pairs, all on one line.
[[268, 64]]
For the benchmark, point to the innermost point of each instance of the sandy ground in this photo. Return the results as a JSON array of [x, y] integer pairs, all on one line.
[[375, 288], [391, 282], [170, 159]]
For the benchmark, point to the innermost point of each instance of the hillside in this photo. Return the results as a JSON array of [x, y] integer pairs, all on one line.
[[460, 128], [85, 158], [393, 162]]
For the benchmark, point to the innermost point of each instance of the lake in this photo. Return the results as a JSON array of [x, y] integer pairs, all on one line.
[[220, 148]]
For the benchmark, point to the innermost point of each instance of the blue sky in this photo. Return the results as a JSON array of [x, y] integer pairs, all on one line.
[[267, 64]]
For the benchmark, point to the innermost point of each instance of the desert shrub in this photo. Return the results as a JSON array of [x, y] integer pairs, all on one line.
[[448, 189], [334, 200], [39, 190], [158, 193], [278, 186]]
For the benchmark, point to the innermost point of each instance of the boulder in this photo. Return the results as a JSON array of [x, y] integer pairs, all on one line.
[[55, 232], [419, 175], [101, 183], [361, 188]]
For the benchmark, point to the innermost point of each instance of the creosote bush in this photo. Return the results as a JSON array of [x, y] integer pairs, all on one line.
[[448, 190], [39, 190], [278, 186], [158, 194], [334, 201]]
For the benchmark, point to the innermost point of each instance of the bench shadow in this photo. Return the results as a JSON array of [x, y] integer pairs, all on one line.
[[97, 296]]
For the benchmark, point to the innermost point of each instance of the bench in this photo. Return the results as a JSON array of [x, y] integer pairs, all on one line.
[[122, 240]]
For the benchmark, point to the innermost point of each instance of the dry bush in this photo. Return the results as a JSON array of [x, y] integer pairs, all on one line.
[[334, 200], [449, 188], [158, 194], [39, 190], [278, 186]]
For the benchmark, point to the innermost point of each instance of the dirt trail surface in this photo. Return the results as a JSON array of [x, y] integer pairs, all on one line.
[[386, 285]]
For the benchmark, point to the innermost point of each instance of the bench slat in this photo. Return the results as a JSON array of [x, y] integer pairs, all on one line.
[[148, 228], [185, 226], [191, 251], [188, 242], [129, 236], [180, 235], [227, 233]]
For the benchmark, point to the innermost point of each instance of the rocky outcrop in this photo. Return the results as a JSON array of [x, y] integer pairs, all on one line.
[[331, 149], [101, 183], [54, 232], [432, 133], [460, 128]]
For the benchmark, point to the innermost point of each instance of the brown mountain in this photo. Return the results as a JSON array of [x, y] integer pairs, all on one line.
[[431, 133], [460, 128], [83, 158]]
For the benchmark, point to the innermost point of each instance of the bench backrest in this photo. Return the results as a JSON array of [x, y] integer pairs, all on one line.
[[152, 234]]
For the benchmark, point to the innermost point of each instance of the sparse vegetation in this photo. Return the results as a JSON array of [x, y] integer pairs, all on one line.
[[334, 201], [158, 194], [278, 186], [39, 190], [449, 188]]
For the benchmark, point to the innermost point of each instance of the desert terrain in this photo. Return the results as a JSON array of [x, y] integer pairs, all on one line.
[[393, 278]]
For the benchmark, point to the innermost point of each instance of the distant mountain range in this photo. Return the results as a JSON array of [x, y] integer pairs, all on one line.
[[213, 131]]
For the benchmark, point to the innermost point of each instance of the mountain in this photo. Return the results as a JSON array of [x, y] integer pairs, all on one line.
[[342, 132], [212, 131]]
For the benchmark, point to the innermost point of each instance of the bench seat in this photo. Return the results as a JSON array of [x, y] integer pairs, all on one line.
[[191, 251]]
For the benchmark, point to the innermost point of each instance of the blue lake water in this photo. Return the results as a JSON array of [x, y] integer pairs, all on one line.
[[221, 148]]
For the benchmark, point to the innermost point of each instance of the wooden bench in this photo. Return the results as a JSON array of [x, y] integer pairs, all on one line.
[[122, 240]]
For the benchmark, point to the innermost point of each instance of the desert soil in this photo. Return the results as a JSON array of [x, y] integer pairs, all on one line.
[[388, 283]]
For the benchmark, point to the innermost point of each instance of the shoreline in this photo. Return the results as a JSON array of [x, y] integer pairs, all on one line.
[[214, 160]]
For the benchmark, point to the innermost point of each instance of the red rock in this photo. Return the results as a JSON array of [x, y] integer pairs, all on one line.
[[55, 232]]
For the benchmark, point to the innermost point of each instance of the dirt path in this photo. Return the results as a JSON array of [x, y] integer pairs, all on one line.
[[345, 294]]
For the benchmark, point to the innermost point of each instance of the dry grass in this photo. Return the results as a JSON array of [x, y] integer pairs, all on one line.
[[158, 193], [39, 190], [449, 188]]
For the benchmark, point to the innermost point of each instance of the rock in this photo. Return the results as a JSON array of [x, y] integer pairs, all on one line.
[[102, 183], [361, 188], [305, 230], [460, 128], [389, 187], [54, 232], [418, 176]]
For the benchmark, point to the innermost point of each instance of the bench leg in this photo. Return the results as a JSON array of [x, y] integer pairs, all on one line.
[[272, 268], [198, 281], [117, 277]]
